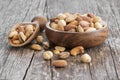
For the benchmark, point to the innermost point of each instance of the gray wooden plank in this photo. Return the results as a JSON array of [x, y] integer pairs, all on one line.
[[14, 62], [103, 66]]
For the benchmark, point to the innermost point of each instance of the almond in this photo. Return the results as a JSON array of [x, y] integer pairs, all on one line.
[[59, 63], [36, 47]]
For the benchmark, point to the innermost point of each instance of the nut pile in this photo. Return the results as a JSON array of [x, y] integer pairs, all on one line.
[[21, 33], [76, 22]]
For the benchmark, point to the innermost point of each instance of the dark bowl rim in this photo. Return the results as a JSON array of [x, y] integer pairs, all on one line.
[[47, 26]]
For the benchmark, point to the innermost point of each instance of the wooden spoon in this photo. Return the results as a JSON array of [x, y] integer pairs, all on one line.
[[36, 22]]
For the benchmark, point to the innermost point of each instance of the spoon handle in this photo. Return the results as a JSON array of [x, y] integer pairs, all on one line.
[[41, 21]]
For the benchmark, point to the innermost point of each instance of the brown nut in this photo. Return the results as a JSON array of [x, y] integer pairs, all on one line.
[[21, 29], [76, 50], [68, 27], [84, 23], [39, 39], [47, 55], [61, 28], [46, 45], [71, 30], [73, 23], [59, 63], [90, 15], [64, 55], [60, 48], [56, 51], [36, 47], [85, 58], [16, 41]]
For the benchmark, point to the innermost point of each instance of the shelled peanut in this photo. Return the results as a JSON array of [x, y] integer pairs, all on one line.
[[21, 33], [76, 22]]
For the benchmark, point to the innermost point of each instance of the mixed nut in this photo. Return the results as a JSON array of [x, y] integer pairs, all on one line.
[[76, 22], [21, 33]]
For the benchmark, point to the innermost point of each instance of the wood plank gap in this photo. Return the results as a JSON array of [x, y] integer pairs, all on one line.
[[28, 66]]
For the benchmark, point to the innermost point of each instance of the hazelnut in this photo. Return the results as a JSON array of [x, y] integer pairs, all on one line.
[[85, 58]]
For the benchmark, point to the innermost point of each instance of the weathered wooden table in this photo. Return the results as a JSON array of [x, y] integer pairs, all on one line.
[[26, 64]]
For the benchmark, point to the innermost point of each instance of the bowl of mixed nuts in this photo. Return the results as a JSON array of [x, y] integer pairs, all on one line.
[[70, 30]]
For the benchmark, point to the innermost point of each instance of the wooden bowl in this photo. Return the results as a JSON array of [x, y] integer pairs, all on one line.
[[73, 39], [32, 37]]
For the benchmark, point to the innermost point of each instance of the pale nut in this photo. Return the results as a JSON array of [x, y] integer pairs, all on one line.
[[15, 37], [16, 42], [77, 50], [60, 28], [47, 55], [98, 25], [80, 29], [46, 45], [59, 63], [36, 47], [61, 16], [12, 34], [60, 48], [29, 28], [71, 30], [91, 24], [90, 29], [67, 14], [28, 33], [56, 51], [73, 23], [39, 39], [96, 19], [84, 23], [21, 29], [61, 23], [64, 55], [85, 58], [53, 25], [70, 18], [22, 35]]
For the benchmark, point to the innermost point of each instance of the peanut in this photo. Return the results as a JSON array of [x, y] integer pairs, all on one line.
[[76, 50], [85, 58], [56, 51], [36, 47], [59, 63], [47, 55], [60, 48], [46, 45]]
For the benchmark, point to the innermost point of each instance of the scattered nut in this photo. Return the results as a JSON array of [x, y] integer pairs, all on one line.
[[36, 47], [64, 55], [59, 63], [47, 55], [56, 51], [46, 45], [85, 58], [60, 48], [76, 50], [39, 39]]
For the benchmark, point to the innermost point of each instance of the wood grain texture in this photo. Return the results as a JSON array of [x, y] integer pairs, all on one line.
[[25, 64]]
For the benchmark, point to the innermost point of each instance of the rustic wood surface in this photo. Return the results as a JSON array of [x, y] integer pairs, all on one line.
[[26, 64]]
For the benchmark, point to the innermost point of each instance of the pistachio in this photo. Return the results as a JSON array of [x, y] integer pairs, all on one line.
[[64, 55]]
